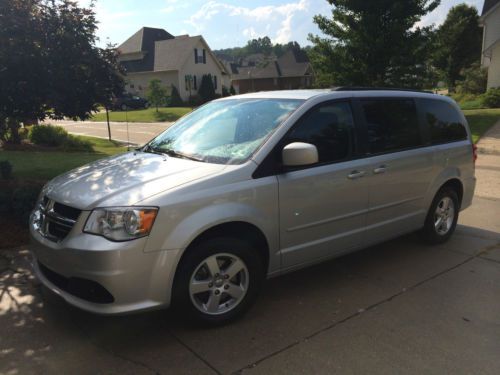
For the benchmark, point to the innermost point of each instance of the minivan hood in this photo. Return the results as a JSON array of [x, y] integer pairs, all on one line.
[[125, 179]]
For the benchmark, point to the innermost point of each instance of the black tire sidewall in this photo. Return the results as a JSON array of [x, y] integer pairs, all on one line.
[[430, 233], [196, 255]]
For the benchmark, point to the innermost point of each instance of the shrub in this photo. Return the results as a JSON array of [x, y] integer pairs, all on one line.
[[5, 169], [207, 90], [75, 144], [225, 91], [475, 80], [5, 199], [175, 98], [156, 94], [195, 101], [232, 91], [48, 135], [23, 201], [492, 98]]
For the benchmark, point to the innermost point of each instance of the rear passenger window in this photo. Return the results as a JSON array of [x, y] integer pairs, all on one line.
[[444, 122], [392, 124], [328, 127]]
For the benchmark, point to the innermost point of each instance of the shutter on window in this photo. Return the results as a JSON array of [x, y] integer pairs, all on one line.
[[195, 56], [195, 86], [204, 57], [215, 82]]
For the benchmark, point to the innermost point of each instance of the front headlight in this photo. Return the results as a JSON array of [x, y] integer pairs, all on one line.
[[121, 223]]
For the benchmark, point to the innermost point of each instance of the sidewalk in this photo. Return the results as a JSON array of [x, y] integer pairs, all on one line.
[[488, 164]]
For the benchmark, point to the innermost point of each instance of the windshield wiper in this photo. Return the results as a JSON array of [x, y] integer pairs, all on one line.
[[152, 150], [177, 154]]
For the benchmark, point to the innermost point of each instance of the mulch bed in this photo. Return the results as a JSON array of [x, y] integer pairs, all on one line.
[[13, 233], [26, 146]]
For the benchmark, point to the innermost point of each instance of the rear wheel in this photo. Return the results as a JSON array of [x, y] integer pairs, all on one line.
[[442, 217], [218, 280]]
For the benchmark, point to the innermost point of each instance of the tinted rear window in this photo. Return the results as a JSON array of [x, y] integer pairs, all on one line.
[[444, 121], [392, 124]]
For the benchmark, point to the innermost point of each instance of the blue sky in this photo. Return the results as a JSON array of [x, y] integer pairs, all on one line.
[[225, 23]]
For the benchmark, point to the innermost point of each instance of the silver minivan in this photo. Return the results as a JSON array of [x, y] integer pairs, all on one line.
[[249, 187]]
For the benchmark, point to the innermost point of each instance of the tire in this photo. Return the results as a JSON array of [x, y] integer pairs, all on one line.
[[123, 107], [146, 105], [204, 288], [441, 223]]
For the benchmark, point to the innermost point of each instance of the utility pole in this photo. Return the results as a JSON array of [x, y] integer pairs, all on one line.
[[107, 120]]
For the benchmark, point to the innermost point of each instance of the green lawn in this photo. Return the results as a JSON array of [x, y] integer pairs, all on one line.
[[44, 165], [480, 120], [144, 115]]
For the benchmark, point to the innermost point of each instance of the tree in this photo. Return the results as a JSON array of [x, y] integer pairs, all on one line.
[[207, 90], [49, 64], [458, 43], [175, 98], [372, 43], [232, 91], [156, 93], [475, 80]]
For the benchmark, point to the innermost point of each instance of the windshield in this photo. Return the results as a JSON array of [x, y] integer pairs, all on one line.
[[224, 132]]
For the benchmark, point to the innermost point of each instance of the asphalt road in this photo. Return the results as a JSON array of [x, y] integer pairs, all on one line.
[[137, 133], [399, 307]]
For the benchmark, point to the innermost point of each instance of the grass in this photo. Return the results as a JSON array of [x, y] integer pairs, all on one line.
[[44, 165], [480, 120], [471, 104], [144, 115]]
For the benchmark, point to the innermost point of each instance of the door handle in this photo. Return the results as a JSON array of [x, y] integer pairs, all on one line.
[[380, 169], [355, 174]]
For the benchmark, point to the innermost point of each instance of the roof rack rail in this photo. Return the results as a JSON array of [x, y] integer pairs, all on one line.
[[361, 88]]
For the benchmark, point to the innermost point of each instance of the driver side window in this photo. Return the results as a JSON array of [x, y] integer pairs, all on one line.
[[328, 127]]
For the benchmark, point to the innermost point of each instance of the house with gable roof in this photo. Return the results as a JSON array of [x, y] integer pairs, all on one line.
[[153, 53]]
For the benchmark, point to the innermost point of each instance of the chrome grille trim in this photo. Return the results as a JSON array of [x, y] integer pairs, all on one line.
[[51, 224]]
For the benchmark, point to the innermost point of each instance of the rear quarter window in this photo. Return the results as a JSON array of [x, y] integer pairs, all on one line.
[[444, 121]]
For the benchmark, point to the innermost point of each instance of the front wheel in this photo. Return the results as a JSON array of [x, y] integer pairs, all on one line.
[[442, 217], [218, 280]]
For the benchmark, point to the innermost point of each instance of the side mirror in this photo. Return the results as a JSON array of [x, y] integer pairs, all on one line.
[[298, 154]]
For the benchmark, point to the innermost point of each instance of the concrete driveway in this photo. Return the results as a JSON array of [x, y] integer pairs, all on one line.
[[400, 307], [137, 133]]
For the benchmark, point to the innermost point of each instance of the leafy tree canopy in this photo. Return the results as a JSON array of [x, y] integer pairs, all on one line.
[[157, 93], [49, 64], [262, 45], [458, 43], [372, 43]]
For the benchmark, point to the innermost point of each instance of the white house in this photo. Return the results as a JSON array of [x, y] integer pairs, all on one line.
[[490, 21], [180, 61]]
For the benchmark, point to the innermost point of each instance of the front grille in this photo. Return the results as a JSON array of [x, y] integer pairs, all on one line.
[[55, 219], [82, 288]]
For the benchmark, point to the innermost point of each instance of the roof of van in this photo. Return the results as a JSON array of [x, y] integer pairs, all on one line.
[[335, 93]]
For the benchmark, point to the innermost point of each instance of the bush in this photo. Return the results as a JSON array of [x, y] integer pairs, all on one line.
[[6, 169], [475, 80], [5, 200], [55, 136], [195, 101], [492, 98], [75, 144], [232, 91], [175, 98], [225, 91], [48, 135], [23, 201], [207, 90]]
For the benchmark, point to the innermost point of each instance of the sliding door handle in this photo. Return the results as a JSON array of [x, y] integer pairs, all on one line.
[[380, 169], [355, 174]]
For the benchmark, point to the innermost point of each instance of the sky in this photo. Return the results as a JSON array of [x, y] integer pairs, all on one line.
[[226, 23]]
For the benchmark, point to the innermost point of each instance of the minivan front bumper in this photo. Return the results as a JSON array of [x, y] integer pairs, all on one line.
[[101, 276]]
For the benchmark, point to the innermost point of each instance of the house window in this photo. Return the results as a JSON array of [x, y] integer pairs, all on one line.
[[200, 56], [132, 86], [215, 82]]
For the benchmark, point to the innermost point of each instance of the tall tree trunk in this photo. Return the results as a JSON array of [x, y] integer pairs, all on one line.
[[14, 126]]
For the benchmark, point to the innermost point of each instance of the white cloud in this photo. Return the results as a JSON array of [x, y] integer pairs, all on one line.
[[439, 14], [251, 21]]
